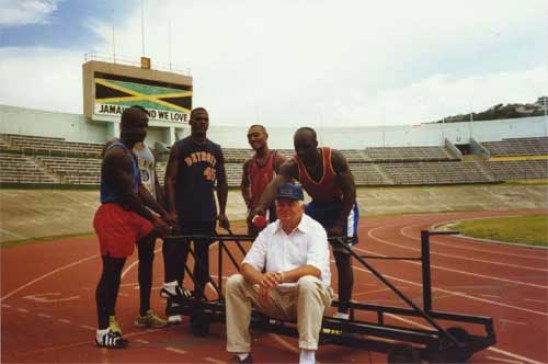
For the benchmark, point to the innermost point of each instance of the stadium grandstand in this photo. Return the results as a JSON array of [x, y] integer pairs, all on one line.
[[31, 158], [42, 148]]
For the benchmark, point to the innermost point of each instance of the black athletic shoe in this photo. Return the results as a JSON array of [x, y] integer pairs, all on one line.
[[180, 292], [111, 340]]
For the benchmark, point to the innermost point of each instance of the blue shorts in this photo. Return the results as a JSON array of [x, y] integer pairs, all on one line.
[[327, 215]]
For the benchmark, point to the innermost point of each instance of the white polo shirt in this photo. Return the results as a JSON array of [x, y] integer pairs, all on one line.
[[277, 251]]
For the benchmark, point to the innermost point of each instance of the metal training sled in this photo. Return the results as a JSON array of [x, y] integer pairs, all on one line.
[[403, 344]]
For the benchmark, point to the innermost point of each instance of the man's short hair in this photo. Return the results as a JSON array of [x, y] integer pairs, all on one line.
[[258, 126], [309, 129], [196, 110], [127, 113]]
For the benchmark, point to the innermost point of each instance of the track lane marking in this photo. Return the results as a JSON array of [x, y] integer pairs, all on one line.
[[470, 259], [471, 241], [501, 360], [175, 350], [459, 294], [505, 321], [43, 276], [455, 270]]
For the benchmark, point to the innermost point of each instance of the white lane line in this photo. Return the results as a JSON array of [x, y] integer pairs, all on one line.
[[459, 271], [87, 327], [43, 315], [504, 321], [129, 267], [534, 300], [175, 350], [70, 265], [5, 306], [64, 321], [459, 294], [496, 359], [23, 310], [471, 259], [133, 264], [213, 360], [496, 250], [142, 341], [515, 356]]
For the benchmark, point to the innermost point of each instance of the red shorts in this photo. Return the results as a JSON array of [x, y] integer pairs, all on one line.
[[118, 230]]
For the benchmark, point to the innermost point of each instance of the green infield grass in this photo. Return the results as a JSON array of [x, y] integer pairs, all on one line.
[[529, 230]]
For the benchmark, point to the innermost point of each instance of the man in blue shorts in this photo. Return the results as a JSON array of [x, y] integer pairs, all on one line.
[[326, 177]]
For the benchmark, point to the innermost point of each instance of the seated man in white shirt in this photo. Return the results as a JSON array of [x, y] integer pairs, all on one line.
[[293, 253]]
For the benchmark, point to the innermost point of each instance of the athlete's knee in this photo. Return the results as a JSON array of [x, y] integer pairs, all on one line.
[[308, 284], [234, 282]]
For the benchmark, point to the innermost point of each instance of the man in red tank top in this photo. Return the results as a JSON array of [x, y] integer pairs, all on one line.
[[326, 177], [258, 171]]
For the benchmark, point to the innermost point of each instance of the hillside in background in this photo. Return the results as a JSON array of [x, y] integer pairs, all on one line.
[[502, 111]]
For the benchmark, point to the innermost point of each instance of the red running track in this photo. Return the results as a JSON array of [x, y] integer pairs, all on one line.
[[48, 305]]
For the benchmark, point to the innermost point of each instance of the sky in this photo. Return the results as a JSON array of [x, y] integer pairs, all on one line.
[[288, 62]]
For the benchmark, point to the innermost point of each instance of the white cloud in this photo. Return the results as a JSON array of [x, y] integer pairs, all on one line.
[[23, 12], [290, 62], [42, 78]]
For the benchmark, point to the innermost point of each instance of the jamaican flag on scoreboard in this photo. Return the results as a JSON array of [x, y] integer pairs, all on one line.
[[164, 101]]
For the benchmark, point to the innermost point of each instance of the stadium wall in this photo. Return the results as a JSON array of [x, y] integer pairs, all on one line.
[[74, 127]]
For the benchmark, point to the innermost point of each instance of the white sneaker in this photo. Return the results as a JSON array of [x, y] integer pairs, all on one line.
[[175, 319]]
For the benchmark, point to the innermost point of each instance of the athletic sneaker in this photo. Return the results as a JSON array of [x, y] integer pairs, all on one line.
[[150, 320], [179, 292], [110, 340], [114, 325], [173, 310], [236, 360]]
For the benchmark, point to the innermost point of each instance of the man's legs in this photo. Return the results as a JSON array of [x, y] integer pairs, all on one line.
[[201, 266], [201, 255], [105, 298], [313, 299], [238, 314], [346, 279], [175, 253], [145, 248], [146, 318]]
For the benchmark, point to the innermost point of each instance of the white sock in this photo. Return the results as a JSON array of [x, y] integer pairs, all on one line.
[[307, 356], [171, 287], [243, 356]]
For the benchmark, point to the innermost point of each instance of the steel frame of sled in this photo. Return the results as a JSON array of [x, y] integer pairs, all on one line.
[[402, 343]]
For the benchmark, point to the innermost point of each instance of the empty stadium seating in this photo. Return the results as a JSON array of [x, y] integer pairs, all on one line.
[[518, 147], [54, 161]]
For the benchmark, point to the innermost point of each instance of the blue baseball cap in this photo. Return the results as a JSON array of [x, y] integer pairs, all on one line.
[[289, 191]]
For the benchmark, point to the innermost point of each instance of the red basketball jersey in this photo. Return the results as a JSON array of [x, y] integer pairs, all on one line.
[[326, 189], [260, 177]]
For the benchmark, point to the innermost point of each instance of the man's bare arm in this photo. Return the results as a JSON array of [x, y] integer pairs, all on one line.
[[170, 180], [288, 171], [244, 184]]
